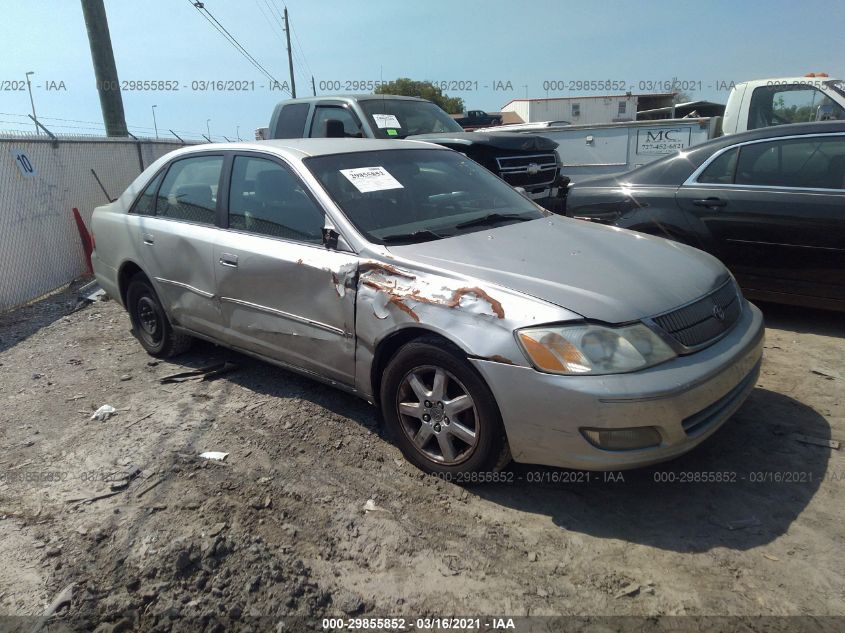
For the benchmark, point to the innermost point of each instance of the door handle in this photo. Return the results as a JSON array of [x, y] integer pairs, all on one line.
[[148, 238], [227, 259], [710, 203]]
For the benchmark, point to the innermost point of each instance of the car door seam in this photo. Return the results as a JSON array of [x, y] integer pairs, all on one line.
[[288, 315]]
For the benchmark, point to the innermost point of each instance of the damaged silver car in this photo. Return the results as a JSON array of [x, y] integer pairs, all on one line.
[[409, 275]]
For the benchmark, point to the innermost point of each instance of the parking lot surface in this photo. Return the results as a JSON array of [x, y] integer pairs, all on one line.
[[313, 513]]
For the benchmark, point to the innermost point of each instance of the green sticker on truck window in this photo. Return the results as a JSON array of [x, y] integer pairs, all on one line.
[[392, 132]]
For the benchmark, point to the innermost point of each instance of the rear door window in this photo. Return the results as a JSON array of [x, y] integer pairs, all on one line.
[[816, 163], [189, 190], [145, 204], [291, 123], [721, 170]]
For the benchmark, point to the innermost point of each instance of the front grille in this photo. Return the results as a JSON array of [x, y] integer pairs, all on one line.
[[698, 323], [535, 170]]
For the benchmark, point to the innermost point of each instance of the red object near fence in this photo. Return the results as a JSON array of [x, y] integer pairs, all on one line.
[[85, 236]]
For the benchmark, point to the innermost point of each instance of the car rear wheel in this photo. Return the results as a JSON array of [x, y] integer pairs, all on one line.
[[150, 324], [440, 412]]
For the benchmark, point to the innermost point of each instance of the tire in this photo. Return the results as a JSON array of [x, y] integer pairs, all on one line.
[[425, 383], [150, 324]]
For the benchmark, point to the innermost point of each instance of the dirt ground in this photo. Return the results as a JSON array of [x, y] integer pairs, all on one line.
[[277, 536]]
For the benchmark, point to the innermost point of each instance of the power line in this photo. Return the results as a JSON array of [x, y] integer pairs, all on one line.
[[301, 52], [215, 23]]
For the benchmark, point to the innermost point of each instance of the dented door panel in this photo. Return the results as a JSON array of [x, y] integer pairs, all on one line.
[[288, 301], [178, 256]]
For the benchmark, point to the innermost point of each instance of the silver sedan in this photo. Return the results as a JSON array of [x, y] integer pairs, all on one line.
[[483, 327]]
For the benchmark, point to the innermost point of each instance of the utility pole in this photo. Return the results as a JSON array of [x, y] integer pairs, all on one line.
[[105, 70], [155, 125], [31, 102], [208, 128], [313, 86], [290, 56]]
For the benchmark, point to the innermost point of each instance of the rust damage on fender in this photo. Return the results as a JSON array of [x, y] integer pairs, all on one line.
[[397, 287], [458, 294]]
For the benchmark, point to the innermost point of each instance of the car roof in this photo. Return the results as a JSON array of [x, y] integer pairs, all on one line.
[[304, 147]]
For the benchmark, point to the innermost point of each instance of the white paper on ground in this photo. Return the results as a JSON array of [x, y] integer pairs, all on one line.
[[216, 455], [367, 179]]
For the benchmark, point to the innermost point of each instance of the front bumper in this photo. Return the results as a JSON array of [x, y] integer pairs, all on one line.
[[686, 399]]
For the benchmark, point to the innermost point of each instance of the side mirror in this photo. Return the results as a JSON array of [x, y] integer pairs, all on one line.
[[335, 241]]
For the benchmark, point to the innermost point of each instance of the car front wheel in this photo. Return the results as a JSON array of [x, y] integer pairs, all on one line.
[[440, 412]]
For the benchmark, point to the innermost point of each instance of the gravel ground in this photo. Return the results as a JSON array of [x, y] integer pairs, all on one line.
[[123, 526]]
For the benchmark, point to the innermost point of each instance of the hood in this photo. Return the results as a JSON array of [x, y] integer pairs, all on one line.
[[500, 140], [600, 272]]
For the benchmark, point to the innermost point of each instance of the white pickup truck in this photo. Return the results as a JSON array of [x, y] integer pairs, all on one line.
[[613, 148]]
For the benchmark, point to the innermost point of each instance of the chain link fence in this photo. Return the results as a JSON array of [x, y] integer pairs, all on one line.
[[41, 181]]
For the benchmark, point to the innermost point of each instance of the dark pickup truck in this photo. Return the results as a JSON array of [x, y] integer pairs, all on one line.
[[522, 160], [478, 118]]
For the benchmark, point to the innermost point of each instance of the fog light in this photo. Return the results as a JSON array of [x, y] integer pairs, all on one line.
[[623, 439]]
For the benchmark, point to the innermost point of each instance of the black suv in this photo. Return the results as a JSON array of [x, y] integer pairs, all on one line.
[[522, 160]]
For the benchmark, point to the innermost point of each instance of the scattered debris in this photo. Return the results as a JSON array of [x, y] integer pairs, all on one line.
[[770, 557], [124, 481], [141, 419], [827, 373], [533, 557], [214, 455], [62, 598], [629, 590], [141, 493], [216, 529], [816, 441], [203, 373], [740, 524], [104, 413], [371, 506]]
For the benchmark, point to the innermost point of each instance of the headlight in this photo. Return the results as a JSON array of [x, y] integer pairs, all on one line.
[[593, 349]]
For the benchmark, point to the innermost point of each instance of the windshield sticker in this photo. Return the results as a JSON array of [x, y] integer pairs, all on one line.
[[367, 179], [386, 120], [392, 132]]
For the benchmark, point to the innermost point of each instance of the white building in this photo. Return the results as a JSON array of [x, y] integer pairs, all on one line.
[[587, 110]]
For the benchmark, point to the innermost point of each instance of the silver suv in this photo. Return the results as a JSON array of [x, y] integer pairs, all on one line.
[[409, 275]]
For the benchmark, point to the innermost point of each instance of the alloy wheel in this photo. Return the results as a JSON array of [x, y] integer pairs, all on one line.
[[438, 415]]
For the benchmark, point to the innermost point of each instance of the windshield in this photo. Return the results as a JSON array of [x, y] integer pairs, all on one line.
[[406, 195], [398, 118]]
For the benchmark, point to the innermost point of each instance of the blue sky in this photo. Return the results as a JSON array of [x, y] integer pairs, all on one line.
[[501, 49]]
